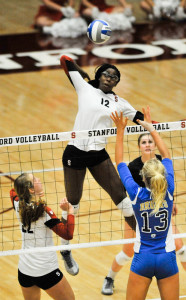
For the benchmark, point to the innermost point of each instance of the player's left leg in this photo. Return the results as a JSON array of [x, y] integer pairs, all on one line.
[[169, 287], [137, 286], [61, 291], [107, 177]]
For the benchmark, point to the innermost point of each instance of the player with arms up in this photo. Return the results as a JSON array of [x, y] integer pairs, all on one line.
[[37, 221], [154, 247], [96, 101], [147, 149]]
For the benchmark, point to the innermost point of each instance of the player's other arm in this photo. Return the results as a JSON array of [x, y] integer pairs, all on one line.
[[63, 230], [132, 114]]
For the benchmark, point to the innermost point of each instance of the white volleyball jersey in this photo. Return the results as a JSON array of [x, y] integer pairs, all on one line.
[[40, 234], [94, 110]]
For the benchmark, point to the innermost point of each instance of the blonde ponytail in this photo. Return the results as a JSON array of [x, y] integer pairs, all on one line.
[[154, 175]]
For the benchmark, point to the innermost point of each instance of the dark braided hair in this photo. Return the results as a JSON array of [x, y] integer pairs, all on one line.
[[98, 72]]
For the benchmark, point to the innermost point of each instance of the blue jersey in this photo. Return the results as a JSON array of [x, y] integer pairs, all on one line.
[[153, 232]]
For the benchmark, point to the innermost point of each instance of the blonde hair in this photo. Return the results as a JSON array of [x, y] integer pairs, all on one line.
[[154, 176], [29, 210]]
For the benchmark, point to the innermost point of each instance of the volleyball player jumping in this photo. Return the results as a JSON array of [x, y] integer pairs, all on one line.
[[147, 149], [96, 101]]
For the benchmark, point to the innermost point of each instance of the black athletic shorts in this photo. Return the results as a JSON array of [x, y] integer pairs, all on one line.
[[77, 159], [44, 282]]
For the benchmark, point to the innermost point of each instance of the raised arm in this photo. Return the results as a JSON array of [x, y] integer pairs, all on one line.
[[120, 124], [68, 64], [147, 124]]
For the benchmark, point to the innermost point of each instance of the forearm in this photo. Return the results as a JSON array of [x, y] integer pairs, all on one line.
[[119, 146], [162, 147], [63, 230]]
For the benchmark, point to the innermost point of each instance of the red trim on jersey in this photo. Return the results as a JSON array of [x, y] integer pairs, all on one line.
[[63, 63], [63, 230], [13, 196]]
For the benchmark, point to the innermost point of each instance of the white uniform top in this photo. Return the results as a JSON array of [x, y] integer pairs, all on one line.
[[38, 235], [94, 110]]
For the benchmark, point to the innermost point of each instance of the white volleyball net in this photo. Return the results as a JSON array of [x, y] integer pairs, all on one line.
[[98, 222]]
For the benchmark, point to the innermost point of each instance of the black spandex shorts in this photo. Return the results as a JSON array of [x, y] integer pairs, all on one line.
[[78, 159], [44, 282]]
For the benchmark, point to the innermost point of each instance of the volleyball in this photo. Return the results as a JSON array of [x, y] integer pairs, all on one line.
[[99, 31]]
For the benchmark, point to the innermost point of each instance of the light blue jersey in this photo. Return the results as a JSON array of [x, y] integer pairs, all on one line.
[[153, 232]]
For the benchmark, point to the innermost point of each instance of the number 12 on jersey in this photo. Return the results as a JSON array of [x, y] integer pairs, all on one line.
[[105, 102]]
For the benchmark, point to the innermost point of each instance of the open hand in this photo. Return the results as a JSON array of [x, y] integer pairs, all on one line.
[[147, 114], [118, 120], [147, 123]]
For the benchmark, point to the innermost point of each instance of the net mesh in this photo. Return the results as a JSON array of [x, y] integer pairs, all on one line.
[[98, 222]]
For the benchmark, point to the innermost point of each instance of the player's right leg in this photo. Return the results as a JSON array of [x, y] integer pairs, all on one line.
[[169, 287], [74, 186], [61, 291], [107, 177], [74, 175]]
